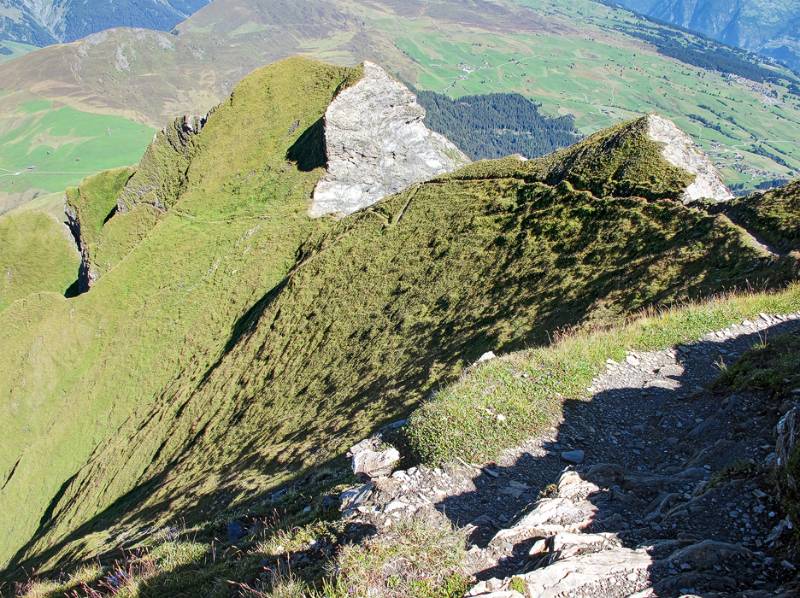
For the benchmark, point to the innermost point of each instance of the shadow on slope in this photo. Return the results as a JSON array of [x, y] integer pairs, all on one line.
[[384, 309], [673, 464], [309, 152]]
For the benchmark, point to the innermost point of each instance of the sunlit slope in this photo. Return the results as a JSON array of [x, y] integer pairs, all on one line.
[[72, 370], [387, 306], [36, 254]]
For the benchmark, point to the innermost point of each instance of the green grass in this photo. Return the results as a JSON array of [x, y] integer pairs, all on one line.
[[417, 558], [619, 161], [37, 255], [380, 310], [771, 366], [180, 562], [239, 345], [73, 371], [91, 206], [48, 148], [773, 217], [529, 387]]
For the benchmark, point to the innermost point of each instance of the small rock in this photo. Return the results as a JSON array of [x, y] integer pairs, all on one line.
[[539, 546], [370, 460], [575, 457], [395, 505], [708, 553], [353, 498], [488, 356]]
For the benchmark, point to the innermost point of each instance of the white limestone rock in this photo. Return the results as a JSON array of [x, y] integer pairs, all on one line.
[[372, 460], [617, 572], [377, 145], [681, 151]]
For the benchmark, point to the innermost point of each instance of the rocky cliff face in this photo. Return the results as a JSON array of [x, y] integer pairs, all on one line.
[[768, 27], [377, 144], [679, 150], [162, 172]]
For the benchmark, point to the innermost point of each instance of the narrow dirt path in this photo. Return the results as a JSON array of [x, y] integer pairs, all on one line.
[[758, 242], [651, 488]]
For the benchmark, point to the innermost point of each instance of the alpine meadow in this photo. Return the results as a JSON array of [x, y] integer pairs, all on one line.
[[379, 299]]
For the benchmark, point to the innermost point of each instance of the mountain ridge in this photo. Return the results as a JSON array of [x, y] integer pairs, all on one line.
[[552, 53], [385, 305], [767, 27], [46, 22]]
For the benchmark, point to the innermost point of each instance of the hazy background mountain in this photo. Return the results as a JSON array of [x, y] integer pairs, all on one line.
[[44, 22], [769, 27]]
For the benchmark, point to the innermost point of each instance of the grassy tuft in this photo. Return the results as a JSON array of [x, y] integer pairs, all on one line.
[[772, 366], [417, 559]]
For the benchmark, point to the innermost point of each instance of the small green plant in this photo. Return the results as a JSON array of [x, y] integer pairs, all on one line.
[[771, 365], [518, 585], [419, 559], [741, 469]]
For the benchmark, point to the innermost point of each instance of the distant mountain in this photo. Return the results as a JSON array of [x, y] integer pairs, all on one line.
[[769, 27], [45, 22], [71, 110]]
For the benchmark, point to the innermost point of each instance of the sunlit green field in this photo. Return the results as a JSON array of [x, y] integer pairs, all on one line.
[[603, 79], [47, 148]]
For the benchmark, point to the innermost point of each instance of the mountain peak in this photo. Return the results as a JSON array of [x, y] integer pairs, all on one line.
[[377, 144]]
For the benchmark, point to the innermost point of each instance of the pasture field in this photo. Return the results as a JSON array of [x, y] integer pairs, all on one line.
[[46, 147], [743, 128]]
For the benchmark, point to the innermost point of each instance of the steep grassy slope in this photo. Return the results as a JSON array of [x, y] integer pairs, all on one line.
[[384, 308], [90, 207], [110, 213], [773, 216], [36, 254], [72, 370], [576, 58]]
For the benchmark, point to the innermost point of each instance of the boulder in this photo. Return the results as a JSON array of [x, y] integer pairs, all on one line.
[[377, 144], [616, 572], [371, 459], [681, 151]]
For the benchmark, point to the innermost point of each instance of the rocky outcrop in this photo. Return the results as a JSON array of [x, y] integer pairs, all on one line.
[[377, 145], [86, 274], [372, 459], [657, 507], [161, 175], [681, 151]]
